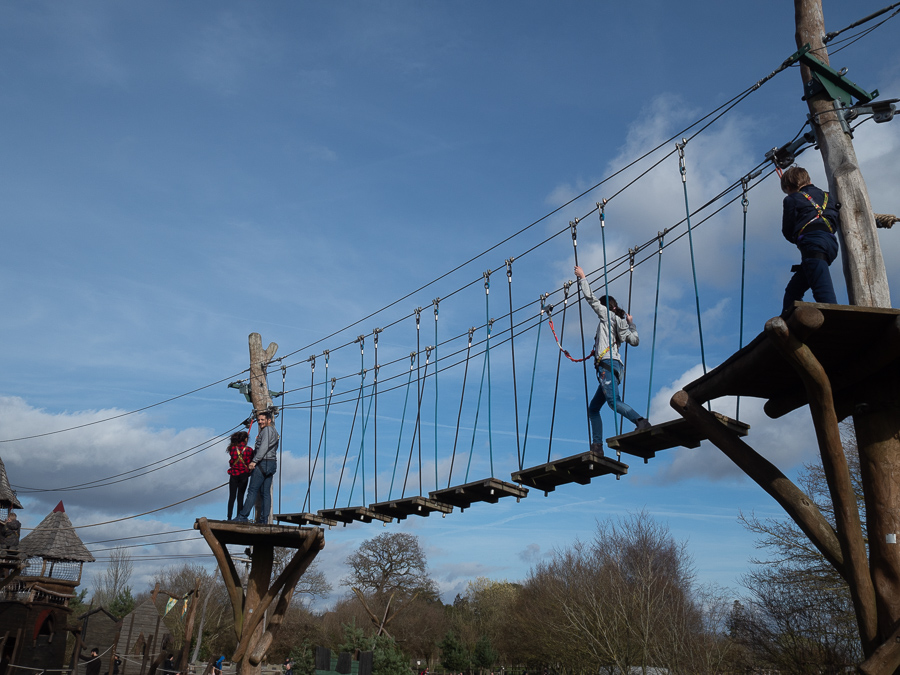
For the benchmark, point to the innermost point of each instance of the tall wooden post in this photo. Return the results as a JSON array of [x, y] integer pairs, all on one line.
[[259, 359], [877, 421], [259, 396], [189, 628]]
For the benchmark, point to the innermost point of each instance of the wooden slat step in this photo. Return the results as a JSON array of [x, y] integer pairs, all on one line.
[[353, 513], [673, 434], [489, 490], [410, 506], [304, 519], [575, 469]]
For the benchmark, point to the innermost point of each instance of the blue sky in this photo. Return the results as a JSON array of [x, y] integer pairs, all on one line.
[[179, 175]]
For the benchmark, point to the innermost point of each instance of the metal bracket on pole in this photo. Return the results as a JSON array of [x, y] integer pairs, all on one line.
[[834, 83]]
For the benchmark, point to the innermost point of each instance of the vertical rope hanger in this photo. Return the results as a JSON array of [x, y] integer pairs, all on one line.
[[601, 209], [436, 303], [562, 331], [660, 237], [362, 380], [512, 347], [309, 459], [328, 397], [324, 439], [537, 344], [418, 427], [375, 433], [281, 433], [574, 226], [485, 369], [683, 170], [631, 254], [420, 385], [412, 367], [745, 184], [462, 397], [361, 457]]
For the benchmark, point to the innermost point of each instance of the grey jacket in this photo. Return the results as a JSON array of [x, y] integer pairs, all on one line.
[[623, 330], [266, 445]]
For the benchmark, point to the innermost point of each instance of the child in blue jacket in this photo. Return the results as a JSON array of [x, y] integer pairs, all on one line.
[[810, 221]]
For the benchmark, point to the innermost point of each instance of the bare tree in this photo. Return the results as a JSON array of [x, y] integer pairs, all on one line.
[[624, 600], [114, 580], [312, 583], [390, 562]]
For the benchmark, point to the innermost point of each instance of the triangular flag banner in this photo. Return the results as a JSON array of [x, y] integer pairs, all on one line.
[[184, 608], [170, 603]]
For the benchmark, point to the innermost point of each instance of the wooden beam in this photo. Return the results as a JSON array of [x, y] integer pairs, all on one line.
[[229, 575], [277, 618], [797, 504], [837, 475]]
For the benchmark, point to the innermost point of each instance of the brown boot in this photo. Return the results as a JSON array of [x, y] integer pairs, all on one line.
[[598, 448]]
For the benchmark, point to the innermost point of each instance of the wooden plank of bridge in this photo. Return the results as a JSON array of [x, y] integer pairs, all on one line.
[[352, 514], [304, 519], [666, 435], [410, 506], [579, 469], [490, 490]]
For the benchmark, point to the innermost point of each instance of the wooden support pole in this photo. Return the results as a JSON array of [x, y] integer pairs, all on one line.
[[884, 660], [877, 427], [189, 628], [837, 474], [229, 575], [791, 498]]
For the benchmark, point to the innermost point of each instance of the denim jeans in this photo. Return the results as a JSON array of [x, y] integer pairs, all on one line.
[[607, 392], [813, 273], [260, 481]]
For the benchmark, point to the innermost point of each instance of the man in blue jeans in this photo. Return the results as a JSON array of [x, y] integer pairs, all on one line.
[[607, 360], [263, 467]]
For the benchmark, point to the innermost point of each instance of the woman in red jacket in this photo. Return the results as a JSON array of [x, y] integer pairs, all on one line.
[[240, 455]]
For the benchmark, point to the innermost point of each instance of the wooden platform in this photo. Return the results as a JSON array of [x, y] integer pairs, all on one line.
[[352, 514], [673, 434], [489, 490], [410, 506], [575, 469], [304, 519], [857, 346], [250, 534]]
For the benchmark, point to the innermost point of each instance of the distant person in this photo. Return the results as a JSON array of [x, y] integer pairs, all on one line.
[[217, 669], [607, 361], [810, 220], [169, 665], [9, 538], [240, 456], [116, 663], [92, 663], [263, 465]]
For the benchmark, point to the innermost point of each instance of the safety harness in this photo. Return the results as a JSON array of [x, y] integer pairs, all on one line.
[[820, 210]]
